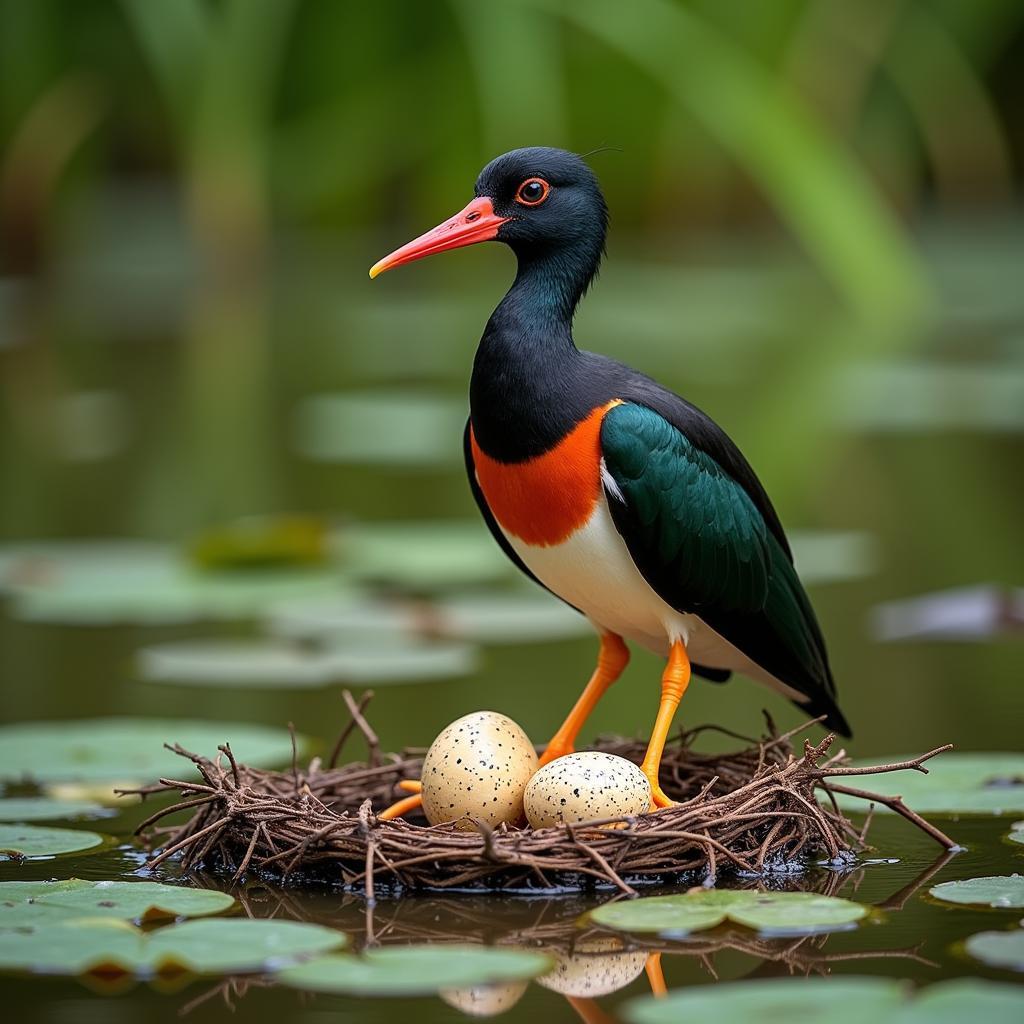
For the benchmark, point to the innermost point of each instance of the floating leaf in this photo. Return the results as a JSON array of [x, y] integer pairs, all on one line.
[[1017, 833], [38, 808], [999, 949], [837, 1000], [27, 841], [423, 555], [128, 748], [407, 970], [276, 664], [998, 891], [105, 583], [773, 912], [21, 902], [478, 616], [510, 618], [215, 946], [955, 784]]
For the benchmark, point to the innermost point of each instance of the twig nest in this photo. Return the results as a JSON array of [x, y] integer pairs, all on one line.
[[585, 786], [478, 767], [596, 967]]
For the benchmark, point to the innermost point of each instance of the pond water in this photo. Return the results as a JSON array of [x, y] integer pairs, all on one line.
[[893, 453]]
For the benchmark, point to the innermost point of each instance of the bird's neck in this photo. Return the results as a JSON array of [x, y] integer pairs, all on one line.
[[526, 392]]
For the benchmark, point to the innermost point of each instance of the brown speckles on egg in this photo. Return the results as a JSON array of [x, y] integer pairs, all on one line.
[[478, 767], [585, 786]]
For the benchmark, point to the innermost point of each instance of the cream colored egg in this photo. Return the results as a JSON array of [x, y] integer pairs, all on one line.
[[478, 767], [485, 1000], [584, 786], [596, 967]]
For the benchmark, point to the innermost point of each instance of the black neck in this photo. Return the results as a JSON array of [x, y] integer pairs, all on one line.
[[526, 392]]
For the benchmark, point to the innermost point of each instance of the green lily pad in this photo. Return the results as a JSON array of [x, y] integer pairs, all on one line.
[[38, 808], [214, 946], [1000, 891], [955, 784], [1016, 836], [778, 1001], [125, 749], [409, 970], [423, 555], [104, 583], [24, 902], [837, 1000], [276, 664], [18, 842], [770, 912], [999, 949]]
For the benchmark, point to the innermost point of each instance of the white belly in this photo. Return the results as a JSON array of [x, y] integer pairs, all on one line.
[[595, 573]]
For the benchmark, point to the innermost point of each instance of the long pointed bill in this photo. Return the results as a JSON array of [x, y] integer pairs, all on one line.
[[476, 223]]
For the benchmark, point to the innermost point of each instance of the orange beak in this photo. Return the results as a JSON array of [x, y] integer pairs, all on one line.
[[476, 223]]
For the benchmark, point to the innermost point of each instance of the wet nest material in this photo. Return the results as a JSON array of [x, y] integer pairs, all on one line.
[[761, 809]]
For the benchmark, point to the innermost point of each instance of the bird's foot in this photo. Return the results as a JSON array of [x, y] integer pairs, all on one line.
[[555, 749], [406, 804], [658, 798]]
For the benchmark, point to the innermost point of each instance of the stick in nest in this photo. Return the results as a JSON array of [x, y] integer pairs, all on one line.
[[745, 811]]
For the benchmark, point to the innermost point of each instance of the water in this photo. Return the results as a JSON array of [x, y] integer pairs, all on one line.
[[934, 502]]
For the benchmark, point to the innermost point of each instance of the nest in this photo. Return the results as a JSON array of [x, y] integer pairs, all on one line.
[[760, 809]]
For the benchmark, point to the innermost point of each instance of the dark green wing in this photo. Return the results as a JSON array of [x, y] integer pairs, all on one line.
[[700, 542], [714, 675]]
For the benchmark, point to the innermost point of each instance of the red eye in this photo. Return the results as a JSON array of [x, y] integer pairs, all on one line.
[[532, 192]]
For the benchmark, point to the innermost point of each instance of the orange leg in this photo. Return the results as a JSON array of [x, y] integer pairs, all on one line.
[[406, 804], [655, 976], [674, 681], [611, 660]]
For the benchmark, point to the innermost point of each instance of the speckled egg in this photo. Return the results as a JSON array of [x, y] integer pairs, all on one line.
[[485, 1000], [596, 967], [583, 786], [478, 767]]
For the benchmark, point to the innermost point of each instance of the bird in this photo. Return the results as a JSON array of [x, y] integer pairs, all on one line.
[[608, 489]]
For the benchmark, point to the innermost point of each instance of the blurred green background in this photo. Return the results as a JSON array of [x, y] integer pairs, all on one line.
[[816, 236]]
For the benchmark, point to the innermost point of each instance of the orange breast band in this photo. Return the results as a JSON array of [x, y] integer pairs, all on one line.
[[542, 501]]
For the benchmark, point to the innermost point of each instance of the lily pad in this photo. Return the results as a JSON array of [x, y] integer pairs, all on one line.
[[215, 946], [38, 808], [18, 842], [123, 749], [105, 583], [26, 902], [777, 913], [837, 1000], [999, 949], [1000, 891], [425, 556], [1017, 835], [409, 970], [955, 784], [276, 664]]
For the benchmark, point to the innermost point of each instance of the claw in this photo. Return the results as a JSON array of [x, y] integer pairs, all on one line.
[[658, 797]]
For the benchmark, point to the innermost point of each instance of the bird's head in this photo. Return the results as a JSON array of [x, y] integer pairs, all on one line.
[[541, 202]]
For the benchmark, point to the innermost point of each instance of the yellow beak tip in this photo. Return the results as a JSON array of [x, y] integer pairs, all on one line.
[[377, 269]]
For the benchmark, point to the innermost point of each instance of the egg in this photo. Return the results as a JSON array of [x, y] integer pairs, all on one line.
[[596, 967], [584, 786], [485, 1000], [478, 767]]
